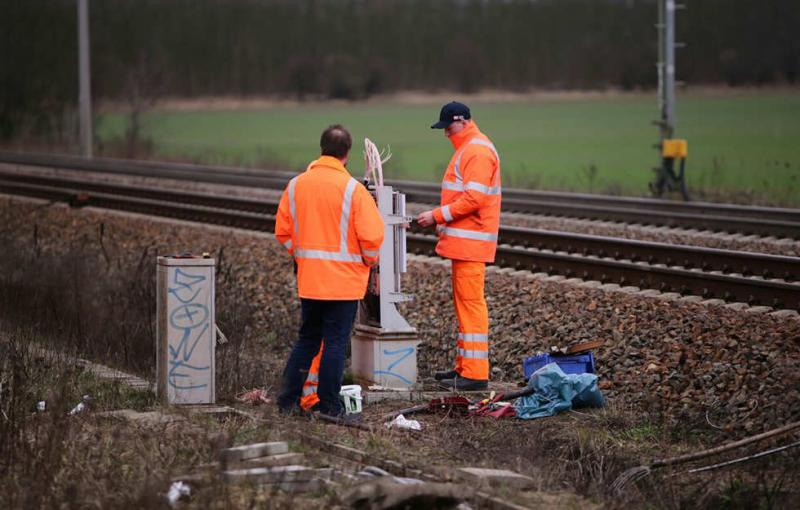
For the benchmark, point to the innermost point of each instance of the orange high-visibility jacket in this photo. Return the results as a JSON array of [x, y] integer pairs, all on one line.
[[331, 225], [469, 219]]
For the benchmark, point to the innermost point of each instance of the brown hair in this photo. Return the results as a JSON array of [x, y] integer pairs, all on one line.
[[335, 141]]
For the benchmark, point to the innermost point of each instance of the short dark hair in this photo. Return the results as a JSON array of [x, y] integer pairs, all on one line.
[[335, 141]]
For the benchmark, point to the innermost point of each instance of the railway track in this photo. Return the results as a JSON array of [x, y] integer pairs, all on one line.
[[730, 275], [763, 221]]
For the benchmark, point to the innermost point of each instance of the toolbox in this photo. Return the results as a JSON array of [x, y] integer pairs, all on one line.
[[569, 363]]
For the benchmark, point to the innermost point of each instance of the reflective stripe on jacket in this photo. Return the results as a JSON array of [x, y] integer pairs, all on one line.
[[331, 225], [469, 219]]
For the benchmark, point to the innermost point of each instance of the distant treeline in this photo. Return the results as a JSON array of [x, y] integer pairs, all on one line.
[[352, 49]]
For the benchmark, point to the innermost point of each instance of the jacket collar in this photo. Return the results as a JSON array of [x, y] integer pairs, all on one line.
[[328, 162], [465, 135]]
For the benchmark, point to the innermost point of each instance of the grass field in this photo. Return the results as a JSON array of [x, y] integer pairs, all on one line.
[[742, 147]]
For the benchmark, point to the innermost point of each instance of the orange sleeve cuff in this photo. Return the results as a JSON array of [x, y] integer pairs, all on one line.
[[438, 216]]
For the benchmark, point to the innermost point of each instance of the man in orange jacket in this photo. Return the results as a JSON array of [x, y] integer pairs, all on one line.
[[468, 222], [331, 225]]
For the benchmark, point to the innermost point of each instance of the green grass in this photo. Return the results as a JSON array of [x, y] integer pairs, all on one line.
[[746, 144]]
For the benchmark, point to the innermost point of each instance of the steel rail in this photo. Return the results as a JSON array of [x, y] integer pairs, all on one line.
[[767, 221], [625, 272], [689, 257]]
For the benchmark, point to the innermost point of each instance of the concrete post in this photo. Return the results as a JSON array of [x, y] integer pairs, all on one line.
[[186, 331]]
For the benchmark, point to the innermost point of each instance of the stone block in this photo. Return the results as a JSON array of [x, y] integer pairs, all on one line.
[[713, 302], [252, 451], [495, 477], [282, 459], [269, 475]]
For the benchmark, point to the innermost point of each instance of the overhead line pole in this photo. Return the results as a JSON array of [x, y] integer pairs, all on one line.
[[672, 151], [84, 94], [668, 115]]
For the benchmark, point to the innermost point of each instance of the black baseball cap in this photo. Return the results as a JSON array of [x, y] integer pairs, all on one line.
[[452, 112]]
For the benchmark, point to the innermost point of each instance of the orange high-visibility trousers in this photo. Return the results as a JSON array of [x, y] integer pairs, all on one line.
[[472, 360], [309, 398]]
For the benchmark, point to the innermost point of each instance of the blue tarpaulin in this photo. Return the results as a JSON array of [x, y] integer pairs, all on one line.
[[557, 392]]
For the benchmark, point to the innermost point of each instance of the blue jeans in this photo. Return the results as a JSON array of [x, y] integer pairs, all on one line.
[[333, 321]]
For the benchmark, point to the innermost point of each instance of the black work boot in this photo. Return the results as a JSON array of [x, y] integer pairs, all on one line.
[[459, 383], [445, 374]]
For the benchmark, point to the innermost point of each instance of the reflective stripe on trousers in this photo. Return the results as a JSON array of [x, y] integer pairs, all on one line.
[[344, 223]]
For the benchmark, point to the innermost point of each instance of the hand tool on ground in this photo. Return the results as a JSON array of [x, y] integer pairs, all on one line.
[[584, 347], [484, 407], [456, 404]]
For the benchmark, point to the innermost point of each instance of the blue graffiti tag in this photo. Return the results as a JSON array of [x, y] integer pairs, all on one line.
[[187, 318], [185, 282], [405, 352]]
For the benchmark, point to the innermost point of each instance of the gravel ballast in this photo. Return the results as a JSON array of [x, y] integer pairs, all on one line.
[[679, 360]]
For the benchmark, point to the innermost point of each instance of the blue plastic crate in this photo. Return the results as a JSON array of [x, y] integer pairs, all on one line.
[[571, 364]]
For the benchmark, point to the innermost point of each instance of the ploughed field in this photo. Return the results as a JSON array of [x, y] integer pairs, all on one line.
[[742, 146]]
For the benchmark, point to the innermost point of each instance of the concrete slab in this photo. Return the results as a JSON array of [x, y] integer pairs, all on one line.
[[277, 475], [282, 459], [495, 477], [252, 451]]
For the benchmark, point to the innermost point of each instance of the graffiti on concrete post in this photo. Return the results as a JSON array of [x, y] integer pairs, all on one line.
[[189, 324], [393, 370]]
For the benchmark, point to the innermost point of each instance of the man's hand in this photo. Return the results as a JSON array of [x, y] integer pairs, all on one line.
[[426, 219]]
